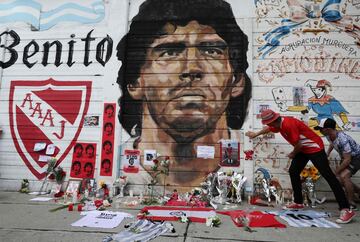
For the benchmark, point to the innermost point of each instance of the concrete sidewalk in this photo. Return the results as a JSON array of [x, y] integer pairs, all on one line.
[[23, 220]]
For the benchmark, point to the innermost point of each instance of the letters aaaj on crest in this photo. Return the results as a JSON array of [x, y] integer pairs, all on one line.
[[50, 112]]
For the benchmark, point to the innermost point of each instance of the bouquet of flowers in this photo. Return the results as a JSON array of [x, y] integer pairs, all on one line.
[[311, 172], [309, 176], [55, 173]]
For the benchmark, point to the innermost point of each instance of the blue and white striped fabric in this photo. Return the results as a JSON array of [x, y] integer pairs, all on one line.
[[41, 18], [141, 230]]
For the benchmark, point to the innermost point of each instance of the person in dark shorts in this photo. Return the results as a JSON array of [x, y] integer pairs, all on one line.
[[349, 152]]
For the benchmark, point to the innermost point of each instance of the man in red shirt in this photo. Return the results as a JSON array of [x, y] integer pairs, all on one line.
[[307, 146]]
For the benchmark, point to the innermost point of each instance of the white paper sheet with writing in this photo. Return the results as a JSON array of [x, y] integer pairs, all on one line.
[[206, 152], [101, 219]]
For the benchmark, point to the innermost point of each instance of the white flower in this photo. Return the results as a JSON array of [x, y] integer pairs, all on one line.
[[184, 219], [213, 221], [209, 222]]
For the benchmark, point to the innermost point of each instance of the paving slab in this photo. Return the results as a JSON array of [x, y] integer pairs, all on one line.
[[28, 221], [24, 220], [229, 232]]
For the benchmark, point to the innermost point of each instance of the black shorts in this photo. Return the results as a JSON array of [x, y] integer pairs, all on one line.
[[354, 165]]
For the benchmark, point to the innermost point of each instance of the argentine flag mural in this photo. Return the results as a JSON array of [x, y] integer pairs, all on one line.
[[42, 17]]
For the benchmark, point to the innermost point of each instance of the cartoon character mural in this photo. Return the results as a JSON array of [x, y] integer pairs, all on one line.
[[187, 90], [281, 99], [324, 105], [321, 103]]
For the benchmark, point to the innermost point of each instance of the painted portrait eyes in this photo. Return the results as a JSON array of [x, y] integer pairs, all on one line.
[[205, 50], [170, 53], [211, 51]]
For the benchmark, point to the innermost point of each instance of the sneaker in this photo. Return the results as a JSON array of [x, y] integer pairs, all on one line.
[[346, 216], [353, 207], [294, 206]]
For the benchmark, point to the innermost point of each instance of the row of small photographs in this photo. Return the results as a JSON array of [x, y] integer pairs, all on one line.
[[90, 150], [88, 168]]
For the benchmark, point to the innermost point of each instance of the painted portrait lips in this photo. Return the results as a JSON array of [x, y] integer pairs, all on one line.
[[190, 93], [190, 99]]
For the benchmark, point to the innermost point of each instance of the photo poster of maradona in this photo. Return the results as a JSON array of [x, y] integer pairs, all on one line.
[[230, 153]]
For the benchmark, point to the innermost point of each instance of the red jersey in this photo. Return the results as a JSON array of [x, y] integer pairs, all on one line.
[[294, 130]]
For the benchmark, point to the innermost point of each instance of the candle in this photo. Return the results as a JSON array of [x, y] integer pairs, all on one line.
[[71, 207]]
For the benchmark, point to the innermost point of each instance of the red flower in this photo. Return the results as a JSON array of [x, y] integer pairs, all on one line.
[[59, 194], [52, 176], [156, 161], [98, 203]]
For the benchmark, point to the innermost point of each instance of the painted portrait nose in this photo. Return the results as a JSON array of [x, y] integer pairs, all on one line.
[[191, 69]]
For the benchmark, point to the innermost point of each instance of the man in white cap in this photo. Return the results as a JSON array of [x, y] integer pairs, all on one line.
[[307, 146], [349, 152]]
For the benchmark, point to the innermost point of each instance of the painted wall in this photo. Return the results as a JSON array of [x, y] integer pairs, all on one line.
[[61, 64], [58, 74], [306, 65]]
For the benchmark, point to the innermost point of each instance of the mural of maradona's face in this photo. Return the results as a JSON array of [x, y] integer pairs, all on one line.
[[185, 80]]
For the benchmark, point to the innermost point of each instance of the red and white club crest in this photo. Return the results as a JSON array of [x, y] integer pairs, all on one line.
[[50, 112]]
